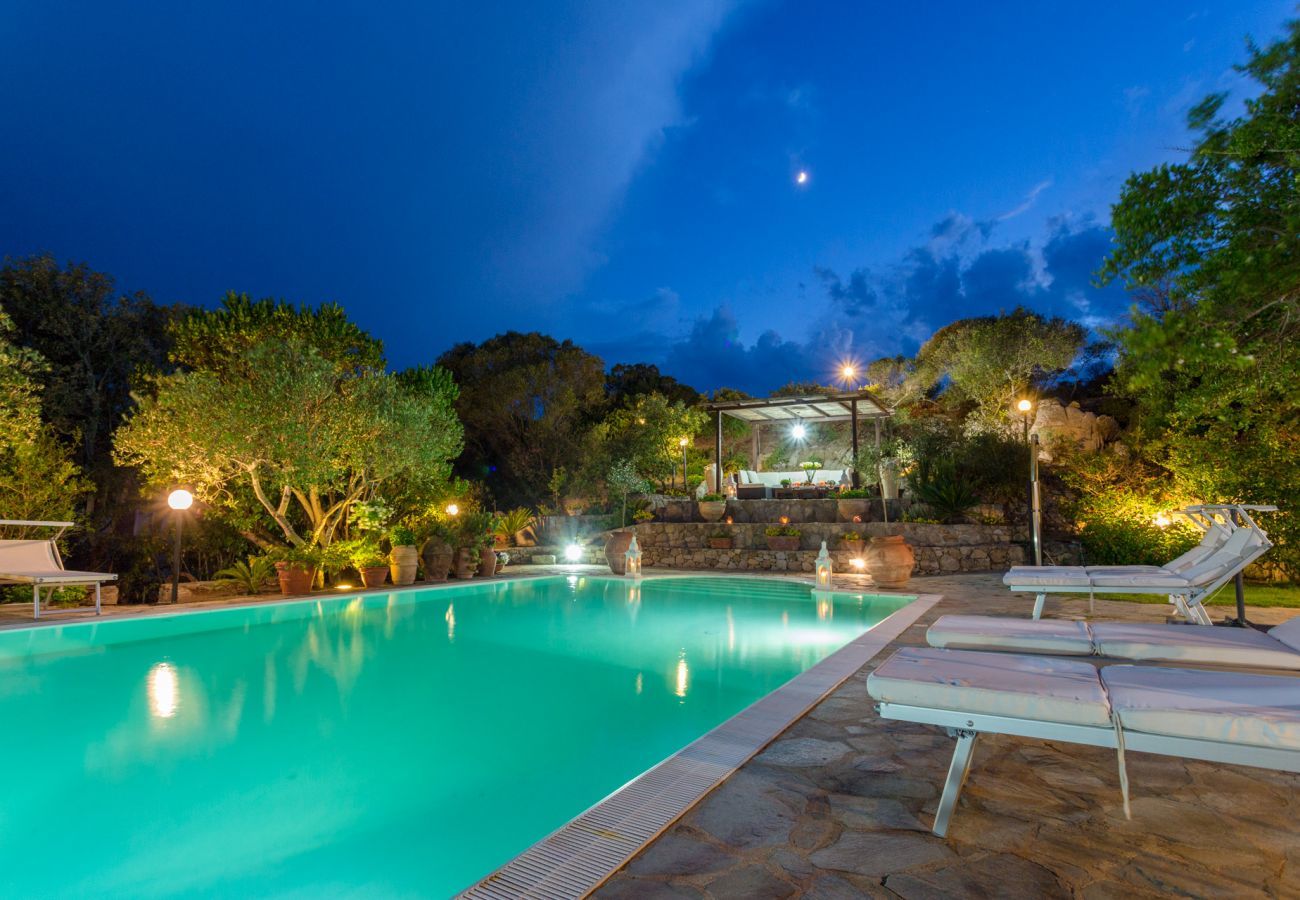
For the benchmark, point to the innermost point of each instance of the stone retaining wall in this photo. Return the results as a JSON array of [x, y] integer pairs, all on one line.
[[797, 511], [939, 549]]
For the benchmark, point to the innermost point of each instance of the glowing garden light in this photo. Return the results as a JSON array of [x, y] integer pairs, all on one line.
[[573, 553], [179, 500], [453, 509], [799, 432], [632, 559], [823, 568]]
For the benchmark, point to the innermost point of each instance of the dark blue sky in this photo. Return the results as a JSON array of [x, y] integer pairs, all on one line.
[[621, 173]]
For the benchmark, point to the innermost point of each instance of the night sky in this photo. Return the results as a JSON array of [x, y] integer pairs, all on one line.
[[623, 174]]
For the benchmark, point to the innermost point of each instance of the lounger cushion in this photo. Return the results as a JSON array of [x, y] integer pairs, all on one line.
[[1288, 633], [1022, 687], [56, 577], [1229, 707], [1055, 636], [1162, 579], [1193, 643], [1046, 576]]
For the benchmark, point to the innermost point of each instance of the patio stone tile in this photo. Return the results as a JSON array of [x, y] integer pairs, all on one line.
[[880, 853], [804, 751], [626, 888], [749, 812], [750, 883], [679, 853], [999, 875]]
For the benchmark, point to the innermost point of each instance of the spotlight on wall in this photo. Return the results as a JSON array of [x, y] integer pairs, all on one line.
[[573, 553]]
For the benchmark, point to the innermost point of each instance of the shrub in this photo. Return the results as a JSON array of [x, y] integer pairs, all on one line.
[[782, 531], [249, 577], [1113, 542], [853, 494], [851, 536], [712, 498], [401, 536], [945, 493]]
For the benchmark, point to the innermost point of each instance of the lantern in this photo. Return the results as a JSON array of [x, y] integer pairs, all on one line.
[[823, 568], [633, 558]]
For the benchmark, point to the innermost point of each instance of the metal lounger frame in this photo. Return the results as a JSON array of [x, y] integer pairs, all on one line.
[[967, 726]]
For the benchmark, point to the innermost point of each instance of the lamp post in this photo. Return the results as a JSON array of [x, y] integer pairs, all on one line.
[[1025, 406], [686, 488], [1035, 514], [179, 500]]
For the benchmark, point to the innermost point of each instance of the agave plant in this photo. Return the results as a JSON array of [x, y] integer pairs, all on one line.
[[249, 577], [516, 525], [946, 494]]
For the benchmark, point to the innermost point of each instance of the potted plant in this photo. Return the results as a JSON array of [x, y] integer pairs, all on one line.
[[785, 482], [404, 558], [296, 569], [371, 563], [712, 507], [810, 468], [851, 505], [782, 537], [438, 552], [487, 557], [465, 562], [720, 539], [852, 541]]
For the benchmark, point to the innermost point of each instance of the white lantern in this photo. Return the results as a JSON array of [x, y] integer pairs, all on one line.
[[824, 568], [633, 559]]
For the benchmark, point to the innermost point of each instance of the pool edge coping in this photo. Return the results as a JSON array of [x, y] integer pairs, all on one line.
[[581, 855]]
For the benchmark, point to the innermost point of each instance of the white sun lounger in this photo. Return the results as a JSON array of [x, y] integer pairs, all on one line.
[[1231, 542], [1145, 641], [38, 563], [1228, 717]]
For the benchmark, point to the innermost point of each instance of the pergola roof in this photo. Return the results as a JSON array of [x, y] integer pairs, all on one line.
[[813, 408]]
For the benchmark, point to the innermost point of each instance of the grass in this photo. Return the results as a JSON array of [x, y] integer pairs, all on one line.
[[1284, 595]]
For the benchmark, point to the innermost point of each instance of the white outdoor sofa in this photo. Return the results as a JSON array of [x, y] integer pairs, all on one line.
[[1232, 541], [38, 563], [751, 485], [1244, 648], [1228, 717]]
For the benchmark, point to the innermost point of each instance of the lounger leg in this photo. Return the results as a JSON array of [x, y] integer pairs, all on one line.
[[1199, 614], [957, 772], [98, 609], [1038, 606], [36, 601]]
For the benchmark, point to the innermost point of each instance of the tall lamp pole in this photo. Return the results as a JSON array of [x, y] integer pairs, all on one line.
[[686, 488], [1035, 515], [179, 500]]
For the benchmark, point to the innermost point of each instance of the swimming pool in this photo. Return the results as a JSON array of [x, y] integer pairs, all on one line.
[[400, 743]]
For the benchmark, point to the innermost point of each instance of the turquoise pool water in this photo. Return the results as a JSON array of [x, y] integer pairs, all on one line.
[[399, 744]]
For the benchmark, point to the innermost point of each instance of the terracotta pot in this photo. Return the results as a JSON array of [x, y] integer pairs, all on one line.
[[465, 563], [890, 561], [437, 561], [845, 510], [712, 510], [295, 578], [783, 542], [854, 547], [720, 543], [373, 576], [403, 563], [615, 548], [487, 562]]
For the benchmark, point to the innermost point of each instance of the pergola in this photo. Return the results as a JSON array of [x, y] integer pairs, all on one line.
[[850, 406]]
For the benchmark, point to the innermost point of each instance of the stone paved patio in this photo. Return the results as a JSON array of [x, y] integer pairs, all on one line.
[[840, 805]]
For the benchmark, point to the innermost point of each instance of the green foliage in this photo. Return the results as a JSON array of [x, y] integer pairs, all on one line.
[[647, 434], [476, 529], [629, 381], [991, 361], [853, 494], [1211, 243], [712, 498], [527, 402], [249, 577], [945, 493], [782, 531], [38, 479], [401, 536], [282, 437], [851, 536], [512, 523]]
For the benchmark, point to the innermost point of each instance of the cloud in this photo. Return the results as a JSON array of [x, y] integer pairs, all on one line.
[[1027, 204], [957, 272]]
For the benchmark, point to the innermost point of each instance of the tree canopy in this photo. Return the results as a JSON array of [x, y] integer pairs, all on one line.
[[282, 436], [1212, 358]]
